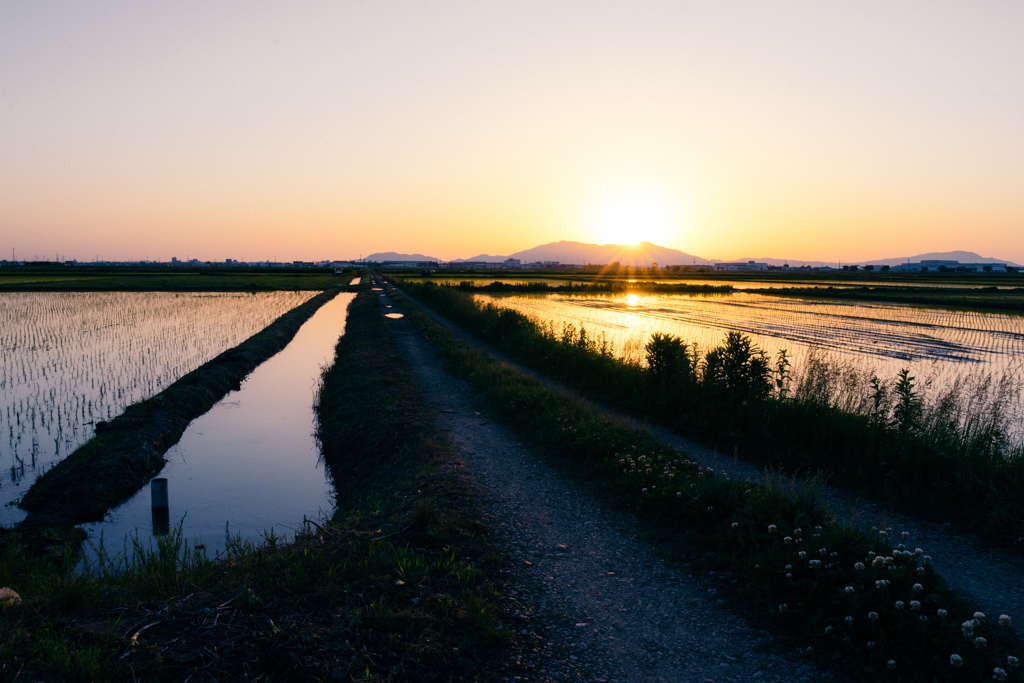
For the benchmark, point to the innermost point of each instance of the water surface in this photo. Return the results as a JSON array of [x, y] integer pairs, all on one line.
[[251, 463]]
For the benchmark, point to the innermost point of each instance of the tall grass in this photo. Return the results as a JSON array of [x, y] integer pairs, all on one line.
[[943, 455]]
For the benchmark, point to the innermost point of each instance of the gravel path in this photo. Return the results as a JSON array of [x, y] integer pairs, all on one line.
[[990, 577], [591, 600]]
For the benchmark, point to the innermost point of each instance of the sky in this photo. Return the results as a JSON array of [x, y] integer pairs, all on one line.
[[817, 130]]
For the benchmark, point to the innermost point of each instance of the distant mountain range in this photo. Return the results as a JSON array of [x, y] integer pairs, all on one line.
[[640, 254], [645, 253]]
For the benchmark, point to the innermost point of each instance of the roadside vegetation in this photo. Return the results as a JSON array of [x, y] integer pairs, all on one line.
[[852, 600], [396, 586], [947, 458]]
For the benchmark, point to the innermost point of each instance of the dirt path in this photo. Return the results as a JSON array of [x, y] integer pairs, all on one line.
[[990, 577], [595, 602]]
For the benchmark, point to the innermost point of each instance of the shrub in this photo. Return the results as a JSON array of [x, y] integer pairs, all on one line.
[[670, 359], [738, 368]]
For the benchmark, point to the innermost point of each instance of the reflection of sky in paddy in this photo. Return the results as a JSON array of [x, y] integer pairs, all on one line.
[[252, 461], [938, 346], [71, 359]]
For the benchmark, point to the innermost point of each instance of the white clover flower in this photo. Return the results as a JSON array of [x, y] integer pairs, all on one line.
[[814, 564], [878, 561], [797, 532], [783, 607], [679, 494], [941, 613], [967, 628], [917, 587], [922, 618], [1012, 661], [818, 529], [829, 630], [788, 575], [979, 615], [998, 674], [1004, 619], [899, 605], [772, 528], [891, 665], [871, 554], [644, 491], [849, 621], [915, 605], [980, 642], [873, 616], [788, 539], [735, 525], [956, 661], [802, 555], [920, 570], [789, 567], [849, 589], [905, 535], [859, 566], [822, 551], [871, 643]]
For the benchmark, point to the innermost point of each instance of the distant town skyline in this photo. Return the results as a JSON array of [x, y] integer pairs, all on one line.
[[828, 132]]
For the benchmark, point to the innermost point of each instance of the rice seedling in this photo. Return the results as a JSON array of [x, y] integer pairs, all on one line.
[[74, 361]]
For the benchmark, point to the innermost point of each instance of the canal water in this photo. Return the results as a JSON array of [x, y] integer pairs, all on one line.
[[251, 464]]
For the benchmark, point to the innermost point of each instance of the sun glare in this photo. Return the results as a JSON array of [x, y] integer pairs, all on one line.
[[632, 218]]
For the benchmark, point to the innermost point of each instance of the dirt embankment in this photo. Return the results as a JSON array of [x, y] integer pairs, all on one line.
[[127, 451]]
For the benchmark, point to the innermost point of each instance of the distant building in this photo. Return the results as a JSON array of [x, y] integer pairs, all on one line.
[[408, 264], [938, 266], [748, 266]]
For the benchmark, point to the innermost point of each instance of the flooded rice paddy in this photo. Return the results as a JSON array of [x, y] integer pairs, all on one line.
[[250, 464], [941, 347], [72, 359]]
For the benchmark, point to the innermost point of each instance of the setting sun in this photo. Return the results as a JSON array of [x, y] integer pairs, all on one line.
[[633, 218]]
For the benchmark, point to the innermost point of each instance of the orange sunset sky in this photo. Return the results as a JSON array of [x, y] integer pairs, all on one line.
[[270, 130]]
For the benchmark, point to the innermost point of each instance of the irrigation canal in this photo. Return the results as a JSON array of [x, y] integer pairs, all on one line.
[[251, 463]]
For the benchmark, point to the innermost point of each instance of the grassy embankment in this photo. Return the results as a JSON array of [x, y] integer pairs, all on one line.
[[858, 601], [127, 451], [947, 460], [395, 587], [129, 279]]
